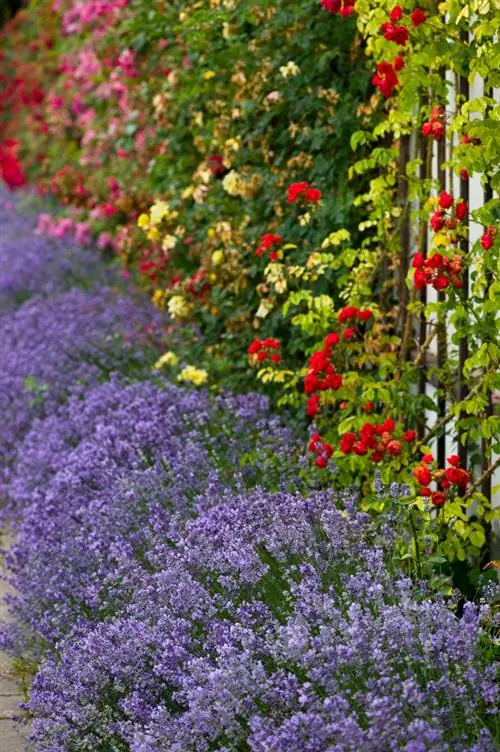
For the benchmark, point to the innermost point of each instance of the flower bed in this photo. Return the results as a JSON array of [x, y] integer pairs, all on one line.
[[181, 583]]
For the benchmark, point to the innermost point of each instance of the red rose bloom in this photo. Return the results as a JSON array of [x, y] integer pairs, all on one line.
[[365, 314], [385, 79], [428, 459], [410, 435], [419, 279], [425, 491], [461, 210], [349, 333], [454, 460], [254, 347], [422, 475], [417, 17], [394, 448], [359, 448], [486, 241], [445, 200], [437, 221], [313, 405], [396, 14], [438, 498]]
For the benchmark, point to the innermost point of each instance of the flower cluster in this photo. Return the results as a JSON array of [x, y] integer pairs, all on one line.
[[10, 167], [264, 349], [435, 126], [321, 449], [448, 213], [488, 237], [454, 475], [342, 7], [382, 440], [386, 79], [437, 270], [266, 243], [303, 190]]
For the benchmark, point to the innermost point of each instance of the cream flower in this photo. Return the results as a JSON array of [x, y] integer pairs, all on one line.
[[197, 376], [178, 307], [168, 359], [290, 70]]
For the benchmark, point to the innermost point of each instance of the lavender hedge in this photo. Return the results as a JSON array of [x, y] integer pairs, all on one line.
[[181, 583]]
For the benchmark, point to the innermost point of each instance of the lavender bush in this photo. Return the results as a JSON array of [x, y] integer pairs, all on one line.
[[181, 584]]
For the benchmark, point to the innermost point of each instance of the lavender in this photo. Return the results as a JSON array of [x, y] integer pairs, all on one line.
[[181, 584]]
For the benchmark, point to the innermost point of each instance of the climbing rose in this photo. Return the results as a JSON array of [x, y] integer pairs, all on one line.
[[396, 14], [417, 17], [422, 475], [385, 78], [438, 498], [445, 200], [410, 435]]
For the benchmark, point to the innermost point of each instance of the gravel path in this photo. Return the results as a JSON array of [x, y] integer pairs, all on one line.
[[12, 735]]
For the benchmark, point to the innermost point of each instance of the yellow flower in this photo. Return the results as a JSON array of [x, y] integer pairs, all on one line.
[[158, 298], [178, 307], [217, 257], [232, 183], [143, 221], [197, 376], [153, 233], [208, 75], [168, 359], [159, 210]]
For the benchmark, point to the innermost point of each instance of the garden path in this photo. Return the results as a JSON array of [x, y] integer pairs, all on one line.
[[13, 736]]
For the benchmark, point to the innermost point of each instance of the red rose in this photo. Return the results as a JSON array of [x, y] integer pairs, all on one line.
[[427, 129], [376, 457], [410, 435], [438, 498], [419, 279], [332, 339], [359, 448], [440, 283], [399, 63], [312, 195], [261, 356], [437, 131], [272, 343], [417, 17], [276, 358], [428, 459], [461, 210], [458, 476], [454, 460], [486, 241], [365, 314], [437, 221], [321, 462], [349, 312], [425, 491], [418, 260], [313, 405], [311, 383], [396, 14], [349, 333], [394, 448], [422, 475], [254, 347], [445, 200], [295, 190], [368, 407]]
